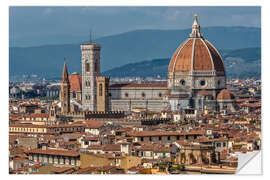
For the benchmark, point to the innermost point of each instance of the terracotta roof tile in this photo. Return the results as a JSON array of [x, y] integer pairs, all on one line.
[[112, 147], [183, 58], [203, 92], [36, 115], [54, 152], [85, 170], [165, 133], [75, 81], [204, 57], [225, 94], [62, 169], [92, 124]]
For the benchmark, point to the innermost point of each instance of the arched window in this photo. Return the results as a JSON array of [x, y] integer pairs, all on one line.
[[100, 89], [87, 83]]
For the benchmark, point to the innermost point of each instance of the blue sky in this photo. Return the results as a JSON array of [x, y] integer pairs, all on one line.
[[31, 26]]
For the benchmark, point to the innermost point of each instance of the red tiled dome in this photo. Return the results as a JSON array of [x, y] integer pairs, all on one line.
[[196, 54], [225, 94]]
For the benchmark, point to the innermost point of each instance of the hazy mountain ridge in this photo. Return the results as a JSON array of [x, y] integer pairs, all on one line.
[[248, 59], [126, 48]]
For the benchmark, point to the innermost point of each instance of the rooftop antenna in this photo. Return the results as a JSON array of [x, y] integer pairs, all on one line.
[[90, 36]]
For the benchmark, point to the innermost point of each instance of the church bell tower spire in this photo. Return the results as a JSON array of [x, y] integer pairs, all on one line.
[[65, 73], [65, 91]]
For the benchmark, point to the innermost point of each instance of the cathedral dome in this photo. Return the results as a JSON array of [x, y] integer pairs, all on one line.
[[225, 94], [196, 54]]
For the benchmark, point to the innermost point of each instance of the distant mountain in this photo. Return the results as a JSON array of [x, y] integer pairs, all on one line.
[[125, 48], [240, 63]]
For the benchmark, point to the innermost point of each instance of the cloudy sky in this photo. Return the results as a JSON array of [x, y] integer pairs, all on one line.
[[31, 26]]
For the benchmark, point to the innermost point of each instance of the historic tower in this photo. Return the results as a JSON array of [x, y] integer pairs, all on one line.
[[90, 71], [64, 92], [102, 93]]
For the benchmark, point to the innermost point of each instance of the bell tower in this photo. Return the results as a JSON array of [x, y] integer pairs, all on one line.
[[90, 57], [65, 91]]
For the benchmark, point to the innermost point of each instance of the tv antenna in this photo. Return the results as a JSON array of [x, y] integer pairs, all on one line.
[[90, 35]]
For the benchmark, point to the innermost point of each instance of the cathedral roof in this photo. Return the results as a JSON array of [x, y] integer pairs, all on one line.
[[196, 54], [75, 81], [225, 94]]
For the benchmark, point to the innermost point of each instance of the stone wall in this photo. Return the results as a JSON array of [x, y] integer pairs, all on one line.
[[128, 104], [92, 160], [150, 93]]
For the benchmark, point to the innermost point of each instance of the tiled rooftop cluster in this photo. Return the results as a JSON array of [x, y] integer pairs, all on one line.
[[207, 142]]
